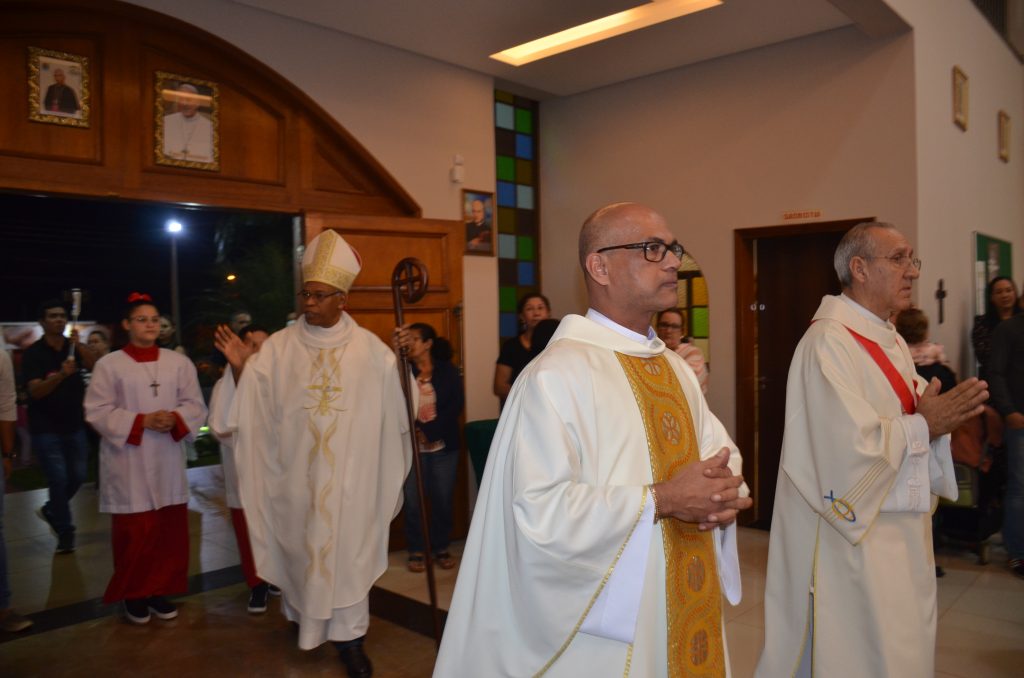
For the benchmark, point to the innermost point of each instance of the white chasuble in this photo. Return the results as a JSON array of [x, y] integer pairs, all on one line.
[[150, 475], [560, 501], [848, 525], [322, 448]]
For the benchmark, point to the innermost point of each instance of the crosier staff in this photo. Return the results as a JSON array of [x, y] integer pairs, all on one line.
[[409, 283], [76, 310]]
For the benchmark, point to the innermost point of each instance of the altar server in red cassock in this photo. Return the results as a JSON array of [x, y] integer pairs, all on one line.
[[143, 401]]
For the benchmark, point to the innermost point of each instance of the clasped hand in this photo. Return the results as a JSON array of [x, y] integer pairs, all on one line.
[[944, 413], [160, 421], [706, 493]]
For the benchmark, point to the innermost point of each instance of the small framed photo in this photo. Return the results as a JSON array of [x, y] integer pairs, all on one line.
[[1004, 136], [960, 98], [58, 87], [478, 214], [187, 111]]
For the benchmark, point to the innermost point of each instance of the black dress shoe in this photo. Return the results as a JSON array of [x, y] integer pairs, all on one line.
[[356, 662]]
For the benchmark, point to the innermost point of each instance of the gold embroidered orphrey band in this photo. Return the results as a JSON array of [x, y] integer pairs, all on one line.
[[693, 596]]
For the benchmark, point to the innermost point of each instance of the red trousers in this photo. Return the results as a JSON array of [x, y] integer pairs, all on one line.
[[150, 554], [244, 549]]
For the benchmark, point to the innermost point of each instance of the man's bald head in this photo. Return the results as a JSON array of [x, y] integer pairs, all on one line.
[[605, 227]]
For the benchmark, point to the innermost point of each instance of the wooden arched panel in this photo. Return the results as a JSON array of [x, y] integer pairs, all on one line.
[[278, 149]]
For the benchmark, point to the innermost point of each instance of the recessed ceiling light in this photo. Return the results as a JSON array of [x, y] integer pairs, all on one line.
[[628, 20]]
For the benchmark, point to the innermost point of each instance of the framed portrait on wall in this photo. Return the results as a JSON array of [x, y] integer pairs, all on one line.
[[58, 87], [478, 215], [960, 98], [187, 111]]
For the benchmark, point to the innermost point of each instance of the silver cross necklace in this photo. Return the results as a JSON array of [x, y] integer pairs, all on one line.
[[154, 384]]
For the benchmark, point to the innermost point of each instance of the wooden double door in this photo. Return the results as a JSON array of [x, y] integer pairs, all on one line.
[[382, 242]]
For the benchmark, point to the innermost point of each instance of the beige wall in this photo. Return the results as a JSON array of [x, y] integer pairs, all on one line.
[[962, 184], [413, 114], [824, 122]]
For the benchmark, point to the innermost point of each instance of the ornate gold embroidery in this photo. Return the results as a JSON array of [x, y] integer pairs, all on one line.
[[693, 598], [321, 461]]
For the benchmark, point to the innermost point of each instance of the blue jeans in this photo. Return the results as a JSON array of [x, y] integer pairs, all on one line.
[[62, 456], [439, 469], [5, 587], [1013, 519]]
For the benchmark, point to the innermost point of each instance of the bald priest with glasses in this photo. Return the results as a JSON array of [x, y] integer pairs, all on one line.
[[322, 450], [603, 538]]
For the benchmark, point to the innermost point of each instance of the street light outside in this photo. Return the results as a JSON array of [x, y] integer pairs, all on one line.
[[174, 227]]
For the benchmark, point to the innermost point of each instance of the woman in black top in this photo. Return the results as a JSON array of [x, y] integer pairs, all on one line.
[[437, 429], [1000, 304], [516, 352]]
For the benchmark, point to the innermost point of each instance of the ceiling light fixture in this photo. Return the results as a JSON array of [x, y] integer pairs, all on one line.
[[626, 21]]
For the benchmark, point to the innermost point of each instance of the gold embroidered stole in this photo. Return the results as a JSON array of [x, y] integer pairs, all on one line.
[[693, 597]]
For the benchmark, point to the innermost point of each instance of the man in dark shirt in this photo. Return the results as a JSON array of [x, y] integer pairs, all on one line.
[[56, 389], [1006, 384]]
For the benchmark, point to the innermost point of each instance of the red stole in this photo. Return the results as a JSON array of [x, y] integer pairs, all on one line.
[[907, 398]]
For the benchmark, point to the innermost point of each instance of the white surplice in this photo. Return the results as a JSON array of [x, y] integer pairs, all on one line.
[[852, 521], [322, 449], [220, 409], [151, 475], [563, 492]]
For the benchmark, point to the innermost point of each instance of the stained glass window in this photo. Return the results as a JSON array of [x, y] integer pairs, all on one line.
[[515, 141]]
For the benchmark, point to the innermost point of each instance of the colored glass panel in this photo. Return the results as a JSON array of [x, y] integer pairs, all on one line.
[[526, 273], [524, 121], [504, 116], [508, 274], [507, 97], [699, 321], [504, 142], [507, 219], [688, 263], [506, 168], [508, 325], [506, 194], [507, 299], [526, 222], [525, 248], [524, 172], [506, 246], [682, 287], [700, 292], [524, 197], [524, 146]]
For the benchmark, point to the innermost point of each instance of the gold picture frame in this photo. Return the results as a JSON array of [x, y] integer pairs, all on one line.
[[187, 113], [960, 98], [478, 215], [58, 87], [1003, 131]]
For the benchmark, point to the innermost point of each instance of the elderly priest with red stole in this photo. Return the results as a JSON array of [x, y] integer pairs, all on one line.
[[851, 573], [322, 449], [602, 541]]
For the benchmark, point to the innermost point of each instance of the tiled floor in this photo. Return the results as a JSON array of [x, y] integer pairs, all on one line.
[[981, 608]]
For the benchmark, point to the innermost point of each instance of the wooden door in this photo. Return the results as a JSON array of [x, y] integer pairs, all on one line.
[[782, 274], [382, 242]]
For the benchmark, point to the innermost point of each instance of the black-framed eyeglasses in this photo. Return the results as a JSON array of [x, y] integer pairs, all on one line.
[[318, 296], [902, 261], [671, 326], [654, 250]]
